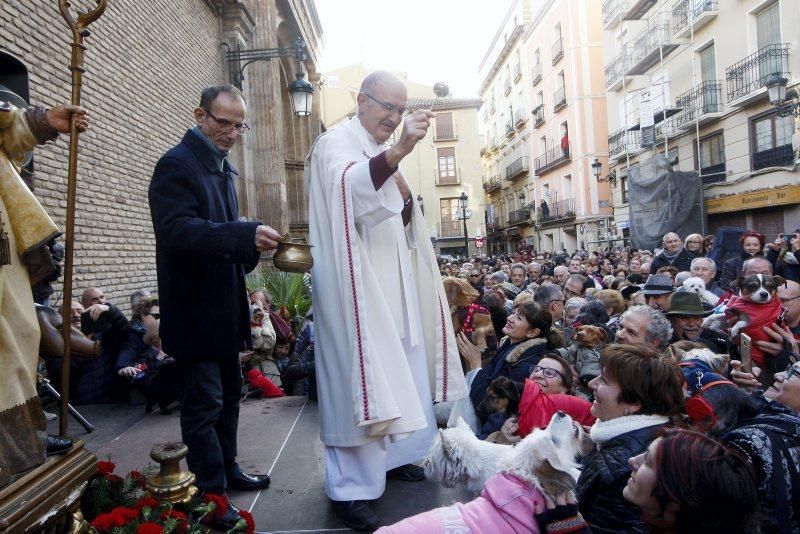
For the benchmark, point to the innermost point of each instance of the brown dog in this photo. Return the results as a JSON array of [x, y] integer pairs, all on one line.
[[590, 336]]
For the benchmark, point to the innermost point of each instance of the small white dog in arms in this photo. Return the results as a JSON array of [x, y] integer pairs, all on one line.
[[695, 284], [544, 457]]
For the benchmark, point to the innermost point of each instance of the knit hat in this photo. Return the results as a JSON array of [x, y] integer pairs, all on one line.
[[686, 304], [658, 284]]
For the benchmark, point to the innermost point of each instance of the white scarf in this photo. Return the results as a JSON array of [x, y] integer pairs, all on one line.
[[603, 431]]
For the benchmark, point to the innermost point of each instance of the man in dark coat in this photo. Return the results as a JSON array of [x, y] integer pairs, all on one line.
[[202, 253], [674, 254]]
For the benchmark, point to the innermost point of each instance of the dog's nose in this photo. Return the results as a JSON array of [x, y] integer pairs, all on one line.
[[560, 413]]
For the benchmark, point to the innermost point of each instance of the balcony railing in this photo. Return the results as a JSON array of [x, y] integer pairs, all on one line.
[[538, 115], [492, 184], [558, 51], [557, 211], [518, 168], [520, 117], [443, 177], [781, 156], [510, 127], [713, 173], [750, 74], [636, 9], [551, 159], [517, 72], [692, 13], [451, 229], [559, 99], [518, 216], [507, 86], [651, 45], [623, 142], [612, 12], [537, 73], [699, 103], [617, 68]]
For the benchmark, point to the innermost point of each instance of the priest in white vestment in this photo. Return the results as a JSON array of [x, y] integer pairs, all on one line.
[[385, 348]]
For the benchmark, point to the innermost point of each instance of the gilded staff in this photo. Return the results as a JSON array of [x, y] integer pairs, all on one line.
[[79, 27]]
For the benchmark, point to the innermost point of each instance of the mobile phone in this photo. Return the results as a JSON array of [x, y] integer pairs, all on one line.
[[745, 344]]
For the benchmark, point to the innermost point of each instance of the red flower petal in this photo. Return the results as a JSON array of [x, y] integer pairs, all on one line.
[[105, 468]]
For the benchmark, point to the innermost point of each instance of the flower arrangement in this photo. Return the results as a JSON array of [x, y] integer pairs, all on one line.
[[116, 505]]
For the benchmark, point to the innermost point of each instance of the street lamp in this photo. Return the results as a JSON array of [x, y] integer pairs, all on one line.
[[786, 101], [300, 89], [462, 201], [597, 169]]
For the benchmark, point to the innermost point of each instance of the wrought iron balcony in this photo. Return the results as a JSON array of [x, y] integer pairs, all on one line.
[[451, 229], [538, 115], [557, 211], [612, 12], [519, 217], [537, 73], [749, 75], [520, 117], [691, 15], [781, 156], [518, 168], [492, 184], [559, 99], [550, 160], [558, 51], [636, 9], [651, 45], [617, 69], [623, 142], [700, 105], [517, 72], [713, 173], [510, 127]]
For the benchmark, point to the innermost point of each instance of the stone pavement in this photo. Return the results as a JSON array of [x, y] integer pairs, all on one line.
[[279, 437]]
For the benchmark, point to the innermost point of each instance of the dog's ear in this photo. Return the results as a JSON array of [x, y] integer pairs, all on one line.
[[738, 282], [779, 281], [553, 481]]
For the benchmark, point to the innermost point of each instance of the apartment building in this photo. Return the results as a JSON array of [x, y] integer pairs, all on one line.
[[545, 124], [704, 64], [445, 166]]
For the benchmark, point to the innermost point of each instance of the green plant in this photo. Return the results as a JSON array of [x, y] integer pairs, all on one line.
[[289, 290]]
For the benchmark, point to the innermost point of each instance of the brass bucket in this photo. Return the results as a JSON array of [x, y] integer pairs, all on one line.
[[293, 255]]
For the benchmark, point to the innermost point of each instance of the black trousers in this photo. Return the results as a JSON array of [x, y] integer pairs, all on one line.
[[209, 419]]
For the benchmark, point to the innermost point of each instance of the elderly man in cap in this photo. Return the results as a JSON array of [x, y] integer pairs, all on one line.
[[657, 290], [686, 315]]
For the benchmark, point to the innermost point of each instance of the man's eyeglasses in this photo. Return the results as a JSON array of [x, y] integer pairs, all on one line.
[[547, 372], [155, 316], [240, 127], [792, 370], [391, 108]]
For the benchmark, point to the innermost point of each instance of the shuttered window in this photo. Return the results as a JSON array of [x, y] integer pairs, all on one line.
[[444, 126]]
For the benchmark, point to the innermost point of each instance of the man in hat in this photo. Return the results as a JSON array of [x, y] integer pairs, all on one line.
[[657, 290], [686, 315]]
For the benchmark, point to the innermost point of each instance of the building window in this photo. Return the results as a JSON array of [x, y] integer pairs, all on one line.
[[771, 141], [447, 165], [712, 158], [332, 82], [624, 189], [450, 222], [444, 126]]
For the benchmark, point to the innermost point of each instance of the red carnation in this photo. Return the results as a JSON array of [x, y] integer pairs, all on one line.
[[138, 478], [220, 503], [174, 514], [125, 514], [150, 528], [248, 518], [105, 468], [114, 479], [107, 522], [146, 501]]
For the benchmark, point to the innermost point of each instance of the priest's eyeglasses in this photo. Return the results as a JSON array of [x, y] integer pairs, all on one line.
[[391, 108], [240, 127]]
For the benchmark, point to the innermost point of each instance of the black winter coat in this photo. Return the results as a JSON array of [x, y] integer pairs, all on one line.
[[782, 268], [202, 254], [604, 475], [683, 262], [731, 270]]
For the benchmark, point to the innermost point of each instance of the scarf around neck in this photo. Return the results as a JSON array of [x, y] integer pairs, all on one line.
[[673, 256], [603, 431]]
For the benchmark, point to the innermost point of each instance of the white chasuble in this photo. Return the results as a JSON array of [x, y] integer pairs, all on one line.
[[367, 266]]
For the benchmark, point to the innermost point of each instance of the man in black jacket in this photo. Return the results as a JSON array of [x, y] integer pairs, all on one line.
[[202, 253], [674, 254]]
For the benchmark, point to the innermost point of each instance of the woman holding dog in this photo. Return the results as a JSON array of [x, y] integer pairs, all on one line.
[[636, 395]]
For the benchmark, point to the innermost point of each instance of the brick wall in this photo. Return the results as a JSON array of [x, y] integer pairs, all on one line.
[[146, 64]]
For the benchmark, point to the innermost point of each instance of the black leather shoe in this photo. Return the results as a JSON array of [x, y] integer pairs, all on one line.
[[407, 473], [58, 445], [227, 521], [356, 515], [239, 480]]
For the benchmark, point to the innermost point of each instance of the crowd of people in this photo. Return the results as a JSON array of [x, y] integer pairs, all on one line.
[[691, 432]]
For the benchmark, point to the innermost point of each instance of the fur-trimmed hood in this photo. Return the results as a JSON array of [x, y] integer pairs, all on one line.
[[518, 351]]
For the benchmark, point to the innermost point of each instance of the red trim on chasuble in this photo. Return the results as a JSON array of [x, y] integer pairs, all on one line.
[[444, 352], [355, 295]]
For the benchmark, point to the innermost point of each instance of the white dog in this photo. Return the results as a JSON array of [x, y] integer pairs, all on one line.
[[545, 457], [695, 284]]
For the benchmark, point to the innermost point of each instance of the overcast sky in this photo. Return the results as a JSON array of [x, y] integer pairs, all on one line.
[[432, 40]]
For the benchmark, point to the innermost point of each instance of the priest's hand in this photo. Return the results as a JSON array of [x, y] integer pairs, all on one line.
[[415, 128], [59, 118], [469, 351], [266, 238]]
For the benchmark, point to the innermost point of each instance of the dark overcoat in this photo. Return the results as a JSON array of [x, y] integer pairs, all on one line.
[[202, 254]]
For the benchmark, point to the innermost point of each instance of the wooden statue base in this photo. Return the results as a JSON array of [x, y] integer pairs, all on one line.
[[47, 498]]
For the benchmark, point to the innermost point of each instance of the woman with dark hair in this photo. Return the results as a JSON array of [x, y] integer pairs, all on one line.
[[708, 244], [528, 336], [784, 255], [766, 433], [496, 304], [687, 483], [637, 394], [751, 244]]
